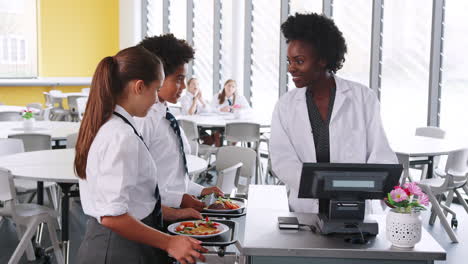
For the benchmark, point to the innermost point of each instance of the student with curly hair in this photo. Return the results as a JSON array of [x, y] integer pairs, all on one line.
[[328, 119], [166, 141]]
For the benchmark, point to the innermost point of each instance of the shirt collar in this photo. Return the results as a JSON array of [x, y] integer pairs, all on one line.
[[125, 114]]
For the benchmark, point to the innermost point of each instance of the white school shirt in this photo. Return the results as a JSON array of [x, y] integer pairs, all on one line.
[[120, 172], [164, 144], [240, 100], [186, 102], [356, 135]]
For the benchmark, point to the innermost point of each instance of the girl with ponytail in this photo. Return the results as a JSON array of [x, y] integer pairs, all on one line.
[[118, 181]]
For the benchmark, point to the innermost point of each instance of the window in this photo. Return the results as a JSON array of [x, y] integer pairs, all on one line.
[[265, 56], [405, 65], [178, 18], [357, 35], [18, 39], [154, 18], [203, 44], [454, 94]]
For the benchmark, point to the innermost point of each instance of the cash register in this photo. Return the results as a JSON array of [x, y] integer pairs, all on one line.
[[342, 189]]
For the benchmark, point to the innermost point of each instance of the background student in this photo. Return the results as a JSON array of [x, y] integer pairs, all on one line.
[[162, 130], [228, 98], [118, 182], [327, 119], [192, 102]]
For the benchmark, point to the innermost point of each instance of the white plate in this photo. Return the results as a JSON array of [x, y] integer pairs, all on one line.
[[222, 227], [239, 203]]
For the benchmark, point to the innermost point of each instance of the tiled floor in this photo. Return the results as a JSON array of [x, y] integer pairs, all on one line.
[[456, 253]]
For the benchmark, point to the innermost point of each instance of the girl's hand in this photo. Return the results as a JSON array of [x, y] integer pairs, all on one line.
[[211, 190], [185, 249], [225, 109], [187, 213]]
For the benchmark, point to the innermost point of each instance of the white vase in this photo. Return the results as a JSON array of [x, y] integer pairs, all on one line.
[[28, 124], [403, 229]]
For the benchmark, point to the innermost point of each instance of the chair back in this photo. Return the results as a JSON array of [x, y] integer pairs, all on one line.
[[7, 186], [10, 116], [430, 131], [34, 142], [72, 103], [71, 140], [55, 99], [190, 129], [81, 106], [457, 165], [38, 106], [231, 155], [242, 132], [10, 146]]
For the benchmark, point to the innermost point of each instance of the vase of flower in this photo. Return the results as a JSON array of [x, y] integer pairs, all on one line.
[[28, 119], [403, 227]]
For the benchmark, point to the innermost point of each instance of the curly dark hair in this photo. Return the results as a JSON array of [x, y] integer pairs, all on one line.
[[322, 33], [172, 51]]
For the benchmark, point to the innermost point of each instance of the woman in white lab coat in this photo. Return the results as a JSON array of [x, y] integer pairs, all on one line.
[[327, 119], [228, 99]]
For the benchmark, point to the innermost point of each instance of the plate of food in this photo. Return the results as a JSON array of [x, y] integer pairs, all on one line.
[[198, 228], [224, 205]]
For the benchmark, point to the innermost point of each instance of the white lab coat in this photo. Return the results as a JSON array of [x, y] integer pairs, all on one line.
[[356, 135]]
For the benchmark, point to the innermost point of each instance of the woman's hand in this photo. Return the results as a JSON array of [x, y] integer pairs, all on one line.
[[185, 249], [211, 190], [225, 109]]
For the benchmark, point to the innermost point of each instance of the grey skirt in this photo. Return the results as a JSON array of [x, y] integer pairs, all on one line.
[[102, 246]]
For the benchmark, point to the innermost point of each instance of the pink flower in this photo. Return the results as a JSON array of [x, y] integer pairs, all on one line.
[[236, 106], [398, 195], [413, 188], [423, 199]]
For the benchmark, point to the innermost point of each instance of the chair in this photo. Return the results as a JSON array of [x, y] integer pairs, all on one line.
[[10, 116], [423, 163], [81, 106], [191, 132], [175, 110], [54, 102], [34, 142], [73, 106], [235, 167], [39, 115], [71, 140], [27, 218], [246, 132], [454, 177]]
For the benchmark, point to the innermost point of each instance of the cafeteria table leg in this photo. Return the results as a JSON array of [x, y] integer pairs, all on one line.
[[65, 187], [403, 159], [40, 192], [430, 167]]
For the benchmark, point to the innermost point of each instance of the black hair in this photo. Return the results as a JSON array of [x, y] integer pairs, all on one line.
[[322, 33], [172, 51]]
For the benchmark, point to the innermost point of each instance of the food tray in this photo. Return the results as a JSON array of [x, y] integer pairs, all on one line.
[[222, 240], [234, 214]]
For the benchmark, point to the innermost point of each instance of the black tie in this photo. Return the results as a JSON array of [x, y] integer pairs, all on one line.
[[229, 102], [176, 128]]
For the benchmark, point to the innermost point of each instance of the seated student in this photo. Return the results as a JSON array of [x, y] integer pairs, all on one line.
[[327, 118], [192, 102], [162, 130], [118, 178], [228, 99]]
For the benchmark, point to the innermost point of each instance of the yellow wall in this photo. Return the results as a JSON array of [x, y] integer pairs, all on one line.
[[73, 36]]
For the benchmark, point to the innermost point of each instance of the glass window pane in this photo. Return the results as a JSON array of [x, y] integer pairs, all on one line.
[[203, 44], [265, 56], [454, 95], [154, 18], [357, 35], [302, 6], [18, 38], [178, 18], [405, 69]]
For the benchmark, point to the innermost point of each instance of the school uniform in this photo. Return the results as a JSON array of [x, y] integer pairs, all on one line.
[[168, 146], [240, 100], [186, 102], [120, 178]]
